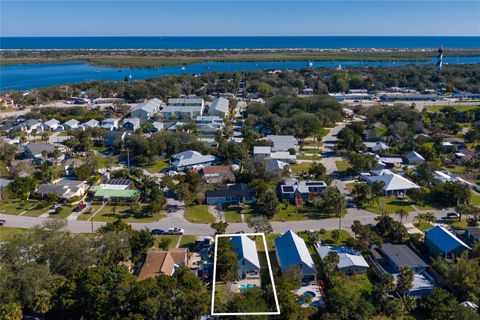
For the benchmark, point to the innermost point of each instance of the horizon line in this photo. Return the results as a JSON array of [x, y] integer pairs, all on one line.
[[231, 36]]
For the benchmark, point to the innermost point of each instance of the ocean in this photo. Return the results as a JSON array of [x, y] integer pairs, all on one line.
[[267, 42]]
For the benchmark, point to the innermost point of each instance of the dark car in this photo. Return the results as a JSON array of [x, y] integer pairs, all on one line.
[[157, 232], [2, 222]]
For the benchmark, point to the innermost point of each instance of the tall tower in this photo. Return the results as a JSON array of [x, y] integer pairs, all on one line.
[[439, 64]]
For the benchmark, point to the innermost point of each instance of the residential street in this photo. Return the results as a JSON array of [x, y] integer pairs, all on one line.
[[176, 219]]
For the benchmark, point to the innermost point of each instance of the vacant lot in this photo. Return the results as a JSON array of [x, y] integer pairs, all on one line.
[[199, 214]]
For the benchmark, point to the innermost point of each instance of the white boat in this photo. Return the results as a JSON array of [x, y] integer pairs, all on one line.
[[310, 64]]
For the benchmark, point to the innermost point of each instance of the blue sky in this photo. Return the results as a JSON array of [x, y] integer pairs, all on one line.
[[267, 17]]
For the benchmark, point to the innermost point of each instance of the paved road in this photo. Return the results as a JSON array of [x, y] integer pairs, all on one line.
[[197, 229]]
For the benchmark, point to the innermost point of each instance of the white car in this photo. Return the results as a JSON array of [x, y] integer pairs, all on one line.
[[176, 231]]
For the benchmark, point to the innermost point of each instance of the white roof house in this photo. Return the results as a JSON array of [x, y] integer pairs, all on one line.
[[350, 261], [282, 143], [266, 152], [376, 146], [190, 159], [109, 124], [392, 182], [219, 107], [414, 157], [147, 109], [51, 124], [292, 251], [131, 124], [274, 165], [158, 126], [71, 124], [247, 255], [184, 107], [90, 124]]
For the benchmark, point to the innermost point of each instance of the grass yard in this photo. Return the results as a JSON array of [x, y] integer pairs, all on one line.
[[100, 149], [459, 225], [289, 213], [36, 211], [65, 212], [312, 151], [423, 226], [392, 204], [349, 186], [187, 241], [8, 232], [342, 165], [309, 157], [296, 213], [475, 198], [270, 237], [232, 213], [364, 281], [17, 207], [172, 241], [3, 169], [158, 166], [328, 239], [460, 108], [199, 214], [298, 167], [111, 213], [312, 143]]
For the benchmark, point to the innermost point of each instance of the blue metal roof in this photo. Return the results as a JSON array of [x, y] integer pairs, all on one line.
[[444, 239]]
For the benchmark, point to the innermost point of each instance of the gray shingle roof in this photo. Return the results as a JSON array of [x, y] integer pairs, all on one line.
[[401, 255]]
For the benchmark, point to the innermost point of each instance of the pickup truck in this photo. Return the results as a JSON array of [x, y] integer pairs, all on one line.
[[176, 231]]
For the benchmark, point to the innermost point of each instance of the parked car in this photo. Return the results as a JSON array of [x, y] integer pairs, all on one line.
[[451, 216], [176, 231], [2, 222], [157, 232], [56, 206], [80, 207]]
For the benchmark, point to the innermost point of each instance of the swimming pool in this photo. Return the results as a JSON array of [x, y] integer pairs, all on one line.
[[305, 297], [246, 286]]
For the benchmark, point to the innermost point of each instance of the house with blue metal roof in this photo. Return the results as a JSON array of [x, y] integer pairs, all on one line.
[[292, 252], [442, 242], [247, 255]]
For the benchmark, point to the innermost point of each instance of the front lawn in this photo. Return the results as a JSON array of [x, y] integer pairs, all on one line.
[[232, 214], [199, 214], [391, 204], [3, 169], [64, 212], [172, 241], [423, 226], [295, 213], [16, 207], [187, 241], [475, 200], [289, 213], [7, 233], [342, 165], [298, 167], [309, 157], [111, 213], [312, 151], [158, 166], [459, 225], [37, 210]]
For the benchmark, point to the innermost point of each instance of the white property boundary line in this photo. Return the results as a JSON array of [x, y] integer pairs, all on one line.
[[269, 269]]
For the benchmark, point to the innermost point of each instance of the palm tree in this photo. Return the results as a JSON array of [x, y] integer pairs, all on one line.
[[402, 213], [339, 203]]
